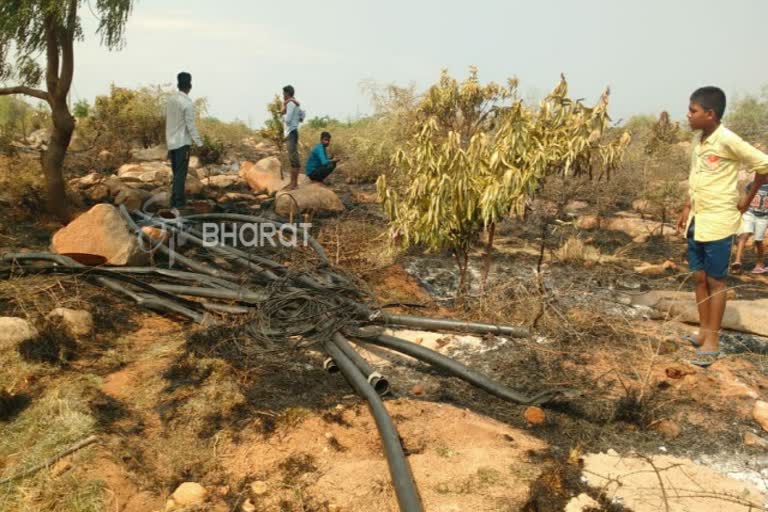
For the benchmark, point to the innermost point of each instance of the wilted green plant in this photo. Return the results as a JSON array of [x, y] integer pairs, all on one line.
[[477, 160]]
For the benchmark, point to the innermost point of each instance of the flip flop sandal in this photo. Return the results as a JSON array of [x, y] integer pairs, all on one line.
[[736, 268], [704, 359], [761, 270], [689, 338]]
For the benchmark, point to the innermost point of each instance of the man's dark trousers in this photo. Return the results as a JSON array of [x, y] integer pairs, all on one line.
[[322, 172], [180, 166]]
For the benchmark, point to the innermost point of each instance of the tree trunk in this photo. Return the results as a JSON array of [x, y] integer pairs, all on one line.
[[488, 253], [53, 159]]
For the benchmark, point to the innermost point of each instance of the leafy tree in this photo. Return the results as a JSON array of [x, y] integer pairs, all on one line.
[[477, 159], [749, 116], [30, 29], [273, 127], [81, 109]]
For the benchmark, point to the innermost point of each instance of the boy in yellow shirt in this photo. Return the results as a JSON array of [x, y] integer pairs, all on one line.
[[712, 214]]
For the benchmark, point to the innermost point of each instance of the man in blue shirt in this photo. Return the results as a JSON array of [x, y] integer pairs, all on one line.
[[319, 166]]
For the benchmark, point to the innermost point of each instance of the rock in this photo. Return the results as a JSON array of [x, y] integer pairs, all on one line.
[[154, 233], [418, 390], [366, 197], [77, 321], [149, 154], [131, 198], [155, 176], [114, 184], [760, 414], [740, 315], [751, 439], [101, 231], [534, 415], [575, 206], [667, 428], [259, 487], [189, 494], [678, 371], [15, 330], [129, 168], [248, 506], [194, 163], [223, 181], [90, 179], [629, 223], [581, 503], [104, 155], [192, 186], [97, 193], [236, 196], [315, 198], [641, 239], [669, 265], [264, 176]]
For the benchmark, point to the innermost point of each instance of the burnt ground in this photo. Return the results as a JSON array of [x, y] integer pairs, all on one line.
[[621, 376]]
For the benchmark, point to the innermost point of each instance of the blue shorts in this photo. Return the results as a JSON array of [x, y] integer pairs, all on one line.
[[711, 257]]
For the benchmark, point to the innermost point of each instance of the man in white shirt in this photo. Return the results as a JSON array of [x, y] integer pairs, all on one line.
[[291, 120], [180, 133]]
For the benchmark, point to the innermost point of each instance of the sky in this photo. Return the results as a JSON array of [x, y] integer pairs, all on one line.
[[652, 54]]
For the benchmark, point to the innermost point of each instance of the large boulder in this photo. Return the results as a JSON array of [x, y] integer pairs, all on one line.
[[149, 154], [264, 176], [15, 330], [315, 198], [101, 231], [740, 315], [192, 186]]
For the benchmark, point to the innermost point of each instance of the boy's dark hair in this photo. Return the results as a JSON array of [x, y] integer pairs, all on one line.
[[325, 135], [288, 89], [184, 81], [710, 98]]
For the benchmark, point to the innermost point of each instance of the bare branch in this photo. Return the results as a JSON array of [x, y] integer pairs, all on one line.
[[29, 91]]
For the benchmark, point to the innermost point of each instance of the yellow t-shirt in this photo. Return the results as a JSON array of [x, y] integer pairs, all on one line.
[[712, 184]]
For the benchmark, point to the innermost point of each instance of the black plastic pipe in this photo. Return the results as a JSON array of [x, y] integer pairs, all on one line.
[[457, 369], [452, 325], [213, 293], [374, 378], [408, 497]]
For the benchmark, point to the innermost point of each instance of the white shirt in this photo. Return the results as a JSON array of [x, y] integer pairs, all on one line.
[[291, 119], [180, 127]]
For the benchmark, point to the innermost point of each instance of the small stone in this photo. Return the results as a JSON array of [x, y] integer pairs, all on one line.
[[667, 428], [582, 502], [15, 330], [418, 390], [669, 265], [259, 487], [78, 322], [248, 506], [189, 493], [612, 452], [534, 415], [641, 239], [760, 414], [751, 439], [223, 490]]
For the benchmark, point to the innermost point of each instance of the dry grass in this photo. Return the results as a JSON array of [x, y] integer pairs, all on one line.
[[575, 250], [51, 423]]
